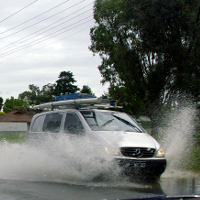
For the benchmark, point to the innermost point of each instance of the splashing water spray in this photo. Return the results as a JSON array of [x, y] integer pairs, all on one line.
[[177, 139], [64, 159]]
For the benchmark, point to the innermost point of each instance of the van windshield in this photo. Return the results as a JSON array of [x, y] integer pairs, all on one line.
[[110, 121]]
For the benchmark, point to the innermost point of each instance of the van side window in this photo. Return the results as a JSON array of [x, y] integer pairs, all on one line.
[[37, 124], [73, 124], [52, 122]]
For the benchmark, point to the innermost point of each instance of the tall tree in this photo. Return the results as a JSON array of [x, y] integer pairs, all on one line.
[[47, 94], [36, 96], [65, 84], [87, 89], [149, 49], [31, 96], [1, 103]]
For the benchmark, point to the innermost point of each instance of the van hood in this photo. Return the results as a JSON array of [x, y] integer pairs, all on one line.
[[128, 139]]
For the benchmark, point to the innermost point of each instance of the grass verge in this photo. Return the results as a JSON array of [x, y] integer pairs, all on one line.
[[14, 137], [193, 161]]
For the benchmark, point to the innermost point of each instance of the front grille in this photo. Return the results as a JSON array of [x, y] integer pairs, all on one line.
[[137, 152]]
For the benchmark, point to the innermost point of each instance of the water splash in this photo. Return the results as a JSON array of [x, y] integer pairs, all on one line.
[[177, 139], [64, 159]]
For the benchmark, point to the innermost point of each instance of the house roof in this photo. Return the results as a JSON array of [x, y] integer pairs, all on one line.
[[16, 116]]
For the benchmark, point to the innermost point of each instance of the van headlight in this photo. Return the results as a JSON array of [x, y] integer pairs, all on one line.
[[160, 153], [111, 151]]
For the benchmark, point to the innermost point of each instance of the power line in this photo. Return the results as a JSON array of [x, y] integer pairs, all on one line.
[[18, 11], [46, 38], [29, 36], [8, 46], [36, 16], [37, 41], [38, 22], [49, 44]]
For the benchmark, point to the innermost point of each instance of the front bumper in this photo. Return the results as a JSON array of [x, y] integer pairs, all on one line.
[[142, 168]]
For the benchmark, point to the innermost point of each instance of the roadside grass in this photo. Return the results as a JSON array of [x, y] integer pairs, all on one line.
[[14, 137], [145, 124], [193, 160]]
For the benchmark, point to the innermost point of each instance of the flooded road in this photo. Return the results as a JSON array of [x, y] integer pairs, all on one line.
[[29, 190], [12, 190], [180, 186]]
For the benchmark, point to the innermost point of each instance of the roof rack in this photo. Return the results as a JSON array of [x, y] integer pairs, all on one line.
[[76, 103]]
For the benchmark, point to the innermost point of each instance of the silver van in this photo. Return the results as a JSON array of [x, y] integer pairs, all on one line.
[[131, 147]]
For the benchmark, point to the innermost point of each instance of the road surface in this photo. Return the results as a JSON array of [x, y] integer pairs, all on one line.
[[30, 190]]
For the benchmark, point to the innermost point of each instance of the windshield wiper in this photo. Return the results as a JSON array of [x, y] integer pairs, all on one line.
[[106, 123], [128, 123]]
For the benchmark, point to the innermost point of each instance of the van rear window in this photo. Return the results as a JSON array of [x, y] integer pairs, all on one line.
[[38, 124], [47, 123], [52, 122]]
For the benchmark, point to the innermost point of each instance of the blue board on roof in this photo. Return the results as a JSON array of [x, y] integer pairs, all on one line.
[[74, 96]]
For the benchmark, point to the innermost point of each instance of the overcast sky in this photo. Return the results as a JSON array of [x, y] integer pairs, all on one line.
[[39, 39]]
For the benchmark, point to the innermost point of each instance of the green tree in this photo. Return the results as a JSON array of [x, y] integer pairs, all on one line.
[[1, 103], [47, 94], [36, 96], [12, 103], [32, 95], [150, 51], [65, 84], [87, 89], [127, 101]]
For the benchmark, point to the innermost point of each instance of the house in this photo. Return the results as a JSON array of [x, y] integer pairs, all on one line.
[[15, 121]]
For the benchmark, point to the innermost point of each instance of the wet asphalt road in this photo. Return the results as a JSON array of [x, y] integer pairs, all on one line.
[[29, 190], [14, 190]]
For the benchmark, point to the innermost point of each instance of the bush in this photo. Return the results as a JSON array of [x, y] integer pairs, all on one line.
[[2, 113]]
